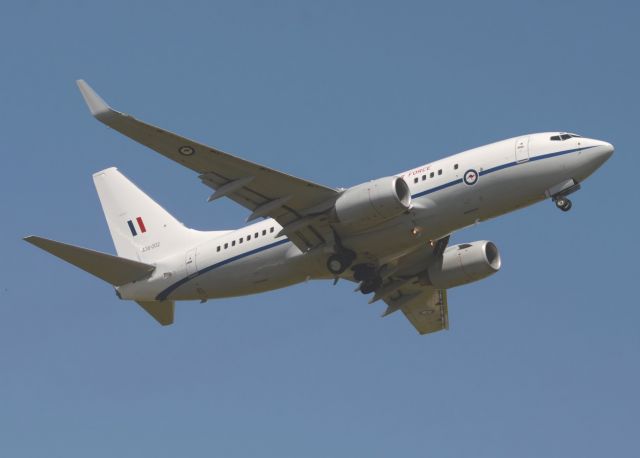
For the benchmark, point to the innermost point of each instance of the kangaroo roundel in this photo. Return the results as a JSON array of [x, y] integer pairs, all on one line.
[[470, 177]]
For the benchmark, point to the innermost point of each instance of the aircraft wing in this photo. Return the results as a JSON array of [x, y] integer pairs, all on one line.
[[424, 306], [407, 289], [295, 203]]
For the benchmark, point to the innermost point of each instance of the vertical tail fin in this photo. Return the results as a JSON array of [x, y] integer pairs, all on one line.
[[140, 228]]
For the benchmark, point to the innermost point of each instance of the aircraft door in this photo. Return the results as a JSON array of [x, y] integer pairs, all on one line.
[[190, 262], [522, 149]]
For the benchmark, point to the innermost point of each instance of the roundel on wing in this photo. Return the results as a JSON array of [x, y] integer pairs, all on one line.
[[470, 177], [186, 150]]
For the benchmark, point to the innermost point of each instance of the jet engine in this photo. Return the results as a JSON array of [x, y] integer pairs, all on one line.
[[464, 263], [373, 202]]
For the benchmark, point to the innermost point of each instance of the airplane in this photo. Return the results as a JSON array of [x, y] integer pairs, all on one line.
[[389, 235]]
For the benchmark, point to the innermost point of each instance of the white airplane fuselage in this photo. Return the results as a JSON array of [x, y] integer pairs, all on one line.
[[446, 195]]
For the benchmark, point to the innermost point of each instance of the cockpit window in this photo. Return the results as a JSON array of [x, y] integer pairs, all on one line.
[[563, 137]]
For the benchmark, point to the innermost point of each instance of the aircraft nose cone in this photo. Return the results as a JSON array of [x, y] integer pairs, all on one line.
[[607, 150], [593, 155], [603, 151]]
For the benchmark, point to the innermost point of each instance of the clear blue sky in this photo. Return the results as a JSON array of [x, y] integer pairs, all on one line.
[[541, 360]]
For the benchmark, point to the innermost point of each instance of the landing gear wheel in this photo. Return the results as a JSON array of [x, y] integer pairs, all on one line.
[[369, 286], [339, 262], [336, 264], [362, 272], [563, 203]]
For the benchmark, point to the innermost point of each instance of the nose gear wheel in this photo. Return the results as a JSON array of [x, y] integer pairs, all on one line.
[[563, 203]]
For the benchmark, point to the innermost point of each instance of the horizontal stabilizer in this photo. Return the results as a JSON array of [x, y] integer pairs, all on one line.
[[112, 269], [162, 311]]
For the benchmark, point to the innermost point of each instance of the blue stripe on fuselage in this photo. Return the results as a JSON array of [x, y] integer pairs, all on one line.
[[165, 293], [497, 168]]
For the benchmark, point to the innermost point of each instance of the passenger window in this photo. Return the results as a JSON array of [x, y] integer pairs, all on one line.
[[440, 172], [255, 236], [218, 249], [226, 245], [271, 230], [424, 177], [233, 243], [455, 167], [248, 237], [240, 241], [415, 180], [264, 232], [431, 175]]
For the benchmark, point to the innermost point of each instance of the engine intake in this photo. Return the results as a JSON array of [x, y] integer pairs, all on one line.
[[373, 202], [465, 263]]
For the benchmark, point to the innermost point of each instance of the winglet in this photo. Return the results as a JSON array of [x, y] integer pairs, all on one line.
[[97, 106]]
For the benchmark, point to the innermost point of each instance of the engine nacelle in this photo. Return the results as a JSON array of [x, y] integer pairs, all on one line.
[[373, 202], [465, 263]]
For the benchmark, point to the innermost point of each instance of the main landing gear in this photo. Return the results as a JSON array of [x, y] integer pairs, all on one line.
[[339, 262], [370, 285], [343, 257], [563, 203], [368, 277], [366, 274]]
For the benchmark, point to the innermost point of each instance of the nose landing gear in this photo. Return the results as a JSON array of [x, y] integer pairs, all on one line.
[[559, 193], [563, 203]]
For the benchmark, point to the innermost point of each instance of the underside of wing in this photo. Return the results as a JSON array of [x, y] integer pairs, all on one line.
[[427, 311], [409, 290], [423, 305], [295, 203]]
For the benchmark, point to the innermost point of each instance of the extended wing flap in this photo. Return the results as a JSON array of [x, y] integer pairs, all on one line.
[[424, 306], [428, 312]]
